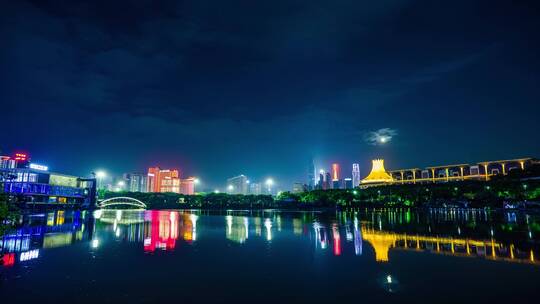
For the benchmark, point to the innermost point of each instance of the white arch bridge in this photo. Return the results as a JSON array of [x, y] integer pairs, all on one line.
[[121, 201]]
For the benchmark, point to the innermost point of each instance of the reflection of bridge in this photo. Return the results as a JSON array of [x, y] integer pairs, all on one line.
[[121, 201], [383, 241]]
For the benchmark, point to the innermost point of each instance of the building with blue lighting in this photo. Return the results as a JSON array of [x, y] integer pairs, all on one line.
[[31, 183]]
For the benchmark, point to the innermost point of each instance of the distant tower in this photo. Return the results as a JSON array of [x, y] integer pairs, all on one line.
[[355, 175], [311, 175], [327, 181], [335, 172], [320, 184]]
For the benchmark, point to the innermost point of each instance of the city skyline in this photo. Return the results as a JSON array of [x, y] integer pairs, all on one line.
[[181, 87]]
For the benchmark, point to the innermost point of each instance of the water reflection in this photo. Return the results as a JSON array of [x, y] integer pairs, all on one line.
[[505, 237]]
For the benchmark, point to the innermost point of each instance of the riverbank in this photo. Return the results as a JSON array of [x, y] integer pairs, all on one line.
[[465, 194]]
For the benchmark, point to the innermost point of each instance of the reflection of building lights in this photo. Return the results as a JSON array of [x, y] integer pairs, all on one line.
[[268, 226], [193, 218], [117, 232], [95, 243], [389, 279], [337, 240], [161, 231], [246, 225], [8, 259], [357, 239], [228, 218]]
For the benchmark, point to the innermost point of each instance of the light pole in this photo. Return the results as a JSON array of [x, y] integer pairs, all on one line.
[[269, 182], [196, 181], [100, 176], [120, 186]]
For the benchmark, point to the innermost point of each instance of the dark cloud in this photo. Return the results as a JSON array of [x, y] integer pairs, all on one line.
[[223, 87]]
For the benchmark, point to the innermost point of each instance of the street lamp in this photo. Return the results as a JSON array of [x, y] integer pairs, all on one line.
[[196, 181], [269, 182], [230, 188], [100, 175]]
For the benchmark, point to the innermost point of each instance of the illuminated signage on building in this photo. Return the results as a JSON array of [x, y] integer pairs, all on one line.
[[39, 167], [29, 255], [21, 156]]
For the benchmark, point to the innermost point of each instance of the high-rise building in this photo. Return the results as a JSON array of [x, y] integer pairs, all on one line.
[[255, 188], [355, 175], [160, 180], [187, 186], [320, 183], [135, 182], [348, 184], [237, 184], [336, 172], [327, 181], [311, 175], [7, 162]]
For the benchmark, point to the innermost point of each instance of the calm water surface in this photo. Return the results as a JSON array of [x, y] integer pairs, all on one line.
[[403, 255]]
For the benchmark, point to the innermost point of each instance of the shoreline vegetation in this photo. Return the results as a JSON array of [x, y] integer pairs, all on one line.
[[496, 193]]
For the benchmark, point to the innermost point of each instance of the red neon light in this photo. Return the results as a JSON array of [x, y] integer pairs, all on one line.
[[20, 156], [162, 233], [8, 259]]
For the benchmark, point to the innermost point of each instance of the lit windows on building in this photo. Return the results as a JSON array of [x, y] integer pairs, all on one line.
[[160, 180]]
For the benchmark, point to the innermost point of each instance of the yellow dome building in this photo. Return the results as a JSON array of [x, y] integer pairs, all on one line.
[[378, 174]]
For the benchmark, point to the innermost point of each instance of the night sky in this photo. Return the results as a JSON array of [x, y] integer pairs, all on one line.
[[221, 88]]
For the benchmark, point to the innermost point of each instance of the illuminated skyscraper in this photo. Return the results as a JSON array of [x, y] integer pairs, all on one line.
[[327, 181], [136, 182], [163, 180], [311, 175], [335, 172], [187, 186], [355, 175], [320, 183]]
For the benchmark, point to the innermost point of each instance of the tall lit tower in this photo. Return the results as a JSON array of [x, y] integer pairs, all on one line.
[[311, 175], [355, 175], [335, 172]]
